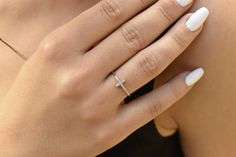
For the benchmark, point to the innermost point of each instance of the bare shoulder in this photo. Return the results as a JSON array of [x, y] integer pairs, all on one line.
[[206, 116]]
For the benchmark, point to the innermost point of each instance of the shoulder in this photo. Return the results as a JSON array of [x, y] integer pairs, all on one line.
[[208, 111]]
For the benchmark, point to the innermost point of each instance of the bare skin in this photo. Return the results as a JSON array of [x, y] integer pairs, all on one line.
[[58, 103], [15, 24], [206, 116], [203, 116]]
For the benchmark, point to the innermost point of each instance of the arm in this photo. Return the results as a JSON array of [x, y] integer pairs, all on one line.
[[206, 116]]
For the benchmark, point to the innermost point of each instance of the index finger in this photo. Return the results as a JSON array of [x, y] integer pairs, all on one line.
[[97, 22]]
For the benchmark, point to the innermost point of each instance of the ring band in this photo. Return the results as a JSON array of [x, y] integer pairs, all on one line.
[[120, 83]]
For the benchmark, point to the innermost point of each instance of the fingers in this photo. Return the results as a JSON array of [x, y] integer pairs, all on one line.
[[135, 35], [144, 109], [150, 62], [97, 22]]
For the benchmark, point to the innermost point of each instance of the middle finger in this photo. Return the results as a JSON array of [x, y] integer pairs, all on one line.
[[135, 35]]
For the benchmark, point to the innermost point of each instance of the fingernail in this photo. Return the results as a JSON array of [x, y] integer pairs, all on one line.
[[194, 76], [197, 19], [184, 3]]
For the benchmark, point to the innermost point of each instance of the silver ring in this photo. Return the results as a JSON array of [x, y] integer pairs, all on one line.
[[120, 83]]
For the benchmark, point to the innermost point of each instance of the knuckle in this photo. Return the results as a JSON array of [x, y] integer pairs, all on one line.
[[155, 108], [168, 55], [178, 40], [104, 136], [88, 117], [133, 37], [76, 77], [177, 92], [169, 10], [149, 64], [51, 50], [66, 88], [69, 82], [164, 13], [110, 9], [48, 49]]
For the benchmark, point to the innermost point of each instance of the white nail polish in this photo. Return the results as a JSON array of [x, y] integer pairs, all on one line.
[[194, 77], [197, 19], [184, 3]]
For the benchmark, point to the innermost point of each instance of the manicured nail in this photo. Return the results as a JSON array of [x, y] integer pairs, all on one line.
[[197, 19], [184, 3], [194, 76]]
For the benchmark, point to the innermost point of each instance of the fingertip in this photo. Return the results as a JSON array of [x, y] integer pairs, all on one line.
[[197, 19], [184, 3], [193, 77]]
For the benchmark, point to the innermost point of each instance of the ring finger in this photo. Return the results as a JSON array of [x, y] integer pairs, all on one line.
[[135, 35], [150, 62]]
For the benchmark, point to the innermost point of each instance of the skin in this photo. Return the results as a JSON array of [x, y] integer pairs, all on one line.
[[206, 116], [58, 104], [199, 114], [14, 30]]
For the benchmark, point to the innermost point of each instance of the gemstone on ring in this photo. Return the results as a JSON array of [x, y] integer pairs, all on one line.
[[120, 83]]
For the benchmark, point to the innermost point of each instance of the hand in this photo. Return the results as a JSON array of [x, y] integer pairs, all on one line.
[[64, 101]]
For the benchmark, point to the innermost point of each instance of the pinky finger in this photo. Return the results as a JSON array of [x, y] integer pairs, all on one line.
[[144, 109]]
